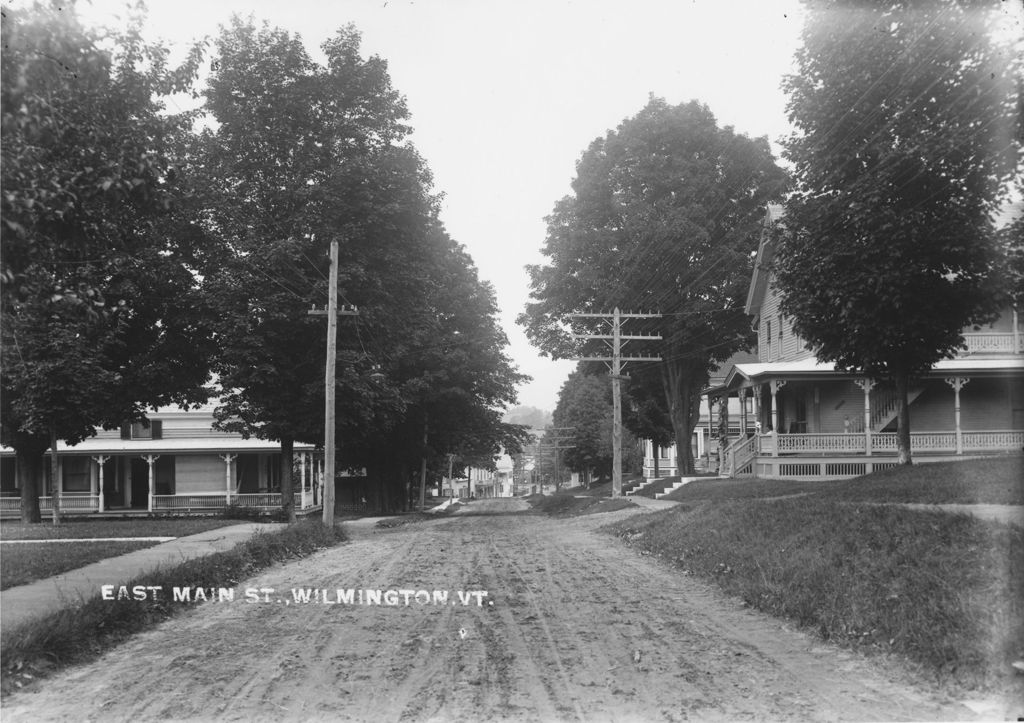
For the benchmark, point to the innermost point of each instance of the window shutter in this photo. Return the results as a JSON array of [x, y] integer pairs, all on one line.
[[156, 426], [126, 431]]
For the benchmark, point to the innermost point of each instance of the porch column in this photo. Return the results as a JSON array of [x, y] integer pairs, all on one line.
[[1017, 348], [100, 461], [228, 459], [957, 383], [151, 461], [757, 408], [867, 385], [742, 395], [302, 476], [775, 385]]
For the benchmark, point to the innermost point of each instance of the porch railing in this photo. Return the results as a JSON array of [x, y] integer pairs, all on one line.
[[219, 500], [886, 442], [739, 456], [998, 343], [70, 503]]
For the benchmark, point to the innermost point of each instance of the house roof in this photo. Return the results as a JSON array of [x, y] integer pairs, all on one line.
[[765, 252], [192, 445], [811, 367]]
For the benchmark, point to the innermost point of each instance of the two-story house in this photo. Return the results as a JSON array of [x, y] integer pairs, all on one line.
[[813, 420]]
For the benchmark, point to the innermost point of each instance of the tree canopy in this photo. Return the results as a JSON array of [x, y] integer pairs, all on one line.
[[100, 316], [908, 133], [302, 154], [663, 217]]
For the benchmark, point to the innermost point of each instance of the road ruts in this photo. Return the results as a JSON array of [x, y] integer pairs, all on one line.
[[581, 629]]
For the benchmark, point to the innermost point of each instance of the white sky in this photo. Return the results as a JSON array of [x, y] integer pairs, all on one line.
[[506, 95]]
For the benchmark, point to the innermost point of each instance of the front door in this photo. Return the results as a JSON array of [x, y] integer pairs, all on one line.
[[113, 489], [139, 475]]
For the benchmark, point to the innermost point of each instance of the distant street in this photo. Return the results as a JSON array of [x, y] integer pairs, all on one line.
[[581, 628]]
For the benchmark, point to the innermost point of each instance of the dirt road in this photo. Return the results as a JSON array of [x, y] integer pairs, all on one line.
[[573, 626]]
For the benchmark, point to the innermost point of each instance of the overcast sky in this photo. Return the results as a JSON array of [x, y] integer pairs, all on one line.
[[505, 96]]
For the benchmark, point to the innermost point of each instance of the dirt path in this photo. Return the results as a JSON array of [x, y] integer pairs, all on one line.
[[581, 628]]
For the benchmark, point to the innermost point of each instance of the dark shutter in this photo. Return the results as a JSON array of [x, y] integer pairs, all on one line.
[[156, 426], [126, 431]]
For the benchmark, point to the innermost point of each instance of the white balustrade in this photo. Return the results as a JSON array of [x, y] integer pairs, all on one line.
[[990, 343]]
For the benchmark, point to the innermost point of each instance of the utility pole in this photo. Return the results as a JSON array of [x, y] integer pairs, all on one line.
[[616, 362], [557, 435], [330, 382]]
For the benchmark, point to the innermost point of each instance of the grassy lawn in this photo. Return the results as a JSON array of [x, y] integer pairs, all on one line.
[[946, 591], [22, 564], [998, 481]]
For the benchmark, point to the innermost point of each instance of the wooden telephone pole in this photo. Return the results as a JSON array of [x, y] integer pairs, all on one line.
[[330, 383], [615, 363]]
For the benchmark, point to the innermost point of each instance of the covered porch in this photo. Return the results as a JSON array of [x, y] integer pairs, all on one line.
[[811, 421], [167, 477]]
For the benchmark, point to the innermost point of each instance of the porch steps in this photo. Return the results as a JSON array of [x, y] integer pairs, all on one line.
[[675, 485], [642, 485]]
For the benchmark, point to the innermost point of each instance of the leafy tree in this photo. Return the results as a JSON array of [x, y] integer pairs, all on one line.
[[100, 316], [585, 411], [664, 217], [908, 129], [301, 154]]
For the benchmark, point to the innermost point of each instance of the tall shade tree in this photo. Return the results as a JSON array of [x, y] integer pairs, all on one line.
[[300, 154], [100, 316], [908, 132], [663, 218]]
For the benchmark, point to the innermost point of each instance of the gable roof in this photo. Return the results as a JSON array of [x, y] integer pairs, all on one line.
[[762, 264]]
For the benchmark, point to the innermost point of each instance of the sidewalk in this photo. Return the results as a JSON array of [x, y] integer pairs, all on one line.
[[19, 604]]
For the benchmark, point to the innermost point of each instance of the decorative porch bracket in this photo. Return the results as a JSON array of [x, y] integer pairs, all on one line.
[[957, 383], [100, 461], [867, 385]]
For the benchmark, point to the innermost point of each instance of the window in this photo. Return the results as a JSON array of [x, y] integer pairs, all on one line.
[[143, 430], [76, 474]]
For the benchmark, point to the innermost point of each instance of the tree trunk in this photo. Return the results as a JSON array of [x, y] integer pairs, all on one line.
[[903, 420], [654, 450], [682, 388], [423, 469], [28, 466], [54, 475], [287, 493]]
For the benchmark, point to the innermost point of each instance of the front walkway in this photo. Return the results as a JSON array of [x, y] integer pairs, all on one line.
[[43, 597]]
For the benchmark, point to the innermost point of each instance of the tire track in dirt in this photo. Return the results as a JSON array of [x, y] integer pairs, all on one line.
[[571, 609]]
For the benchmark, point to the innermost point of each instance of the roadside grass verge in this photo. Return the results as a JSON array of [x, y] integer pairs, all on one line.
[[997, 481], [82, 632], [21, 564], [944, 590], [570, 506], [138, 527]]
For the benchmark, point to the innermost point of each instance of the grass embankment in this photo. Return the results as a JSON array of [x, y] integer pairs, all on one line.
[[21, 564], [79, 634], [567, 505], [945, 590], [997, 481]]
